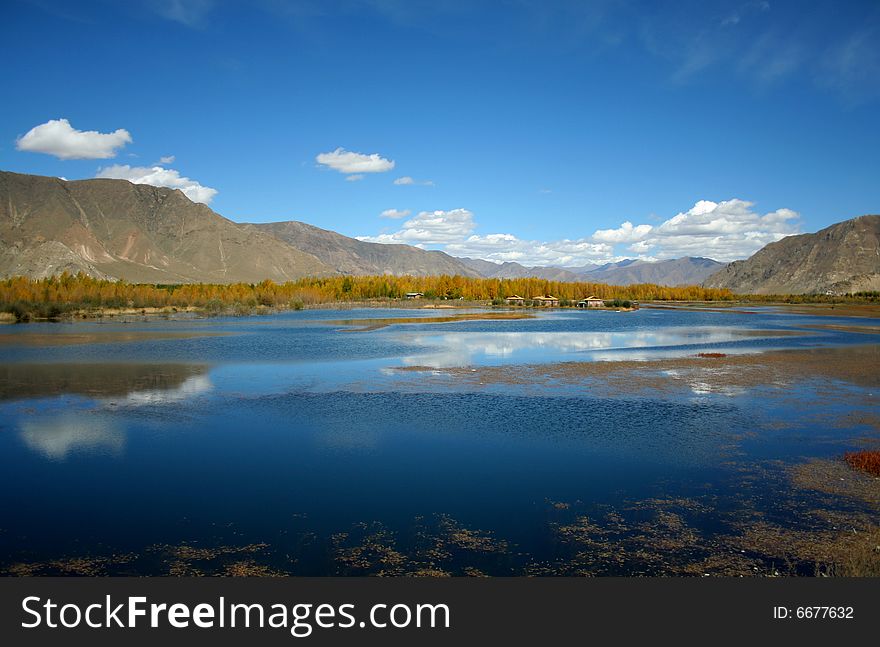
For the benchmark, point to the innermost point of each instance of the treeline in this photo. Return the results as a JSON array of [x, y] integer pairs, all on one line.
[[59, 295]]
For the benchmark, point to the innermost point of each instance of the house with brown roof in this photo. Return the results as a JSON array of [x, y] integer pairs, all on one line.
[[546, 300], [514, 300], [591, 302]]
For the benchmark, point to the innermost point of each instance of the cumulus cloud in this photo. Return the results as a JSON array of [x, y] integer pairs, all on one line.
[[57, 137], [159, 176], [507, 247], [430, 228], [626, 233], [454, 231], [406, 180], [350, 162], [726, 231], [395, 213]]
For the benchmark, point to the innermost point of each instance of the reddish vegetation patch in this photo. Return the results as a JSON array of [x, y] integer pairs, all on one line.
[[865, 460], [711, 354]]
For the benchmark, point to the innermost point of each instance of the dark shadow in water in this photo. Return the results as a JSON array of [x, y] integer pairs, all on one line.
[[20, 381]]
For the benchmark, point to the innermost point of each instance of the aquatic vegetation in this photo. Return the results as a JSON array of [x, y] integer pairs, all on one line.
[[865, 460]]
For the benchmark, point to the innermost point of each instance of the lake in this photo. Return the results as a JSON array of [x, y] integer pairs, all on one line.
[[435, 442]]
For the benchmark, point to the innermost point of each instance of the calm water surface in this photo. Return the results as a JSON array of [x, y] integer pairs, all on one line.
[[292, 442]]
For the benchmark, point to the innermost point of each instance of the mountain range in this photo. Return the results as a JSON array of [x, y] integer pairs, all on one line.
[[115, 229], [839, 259]]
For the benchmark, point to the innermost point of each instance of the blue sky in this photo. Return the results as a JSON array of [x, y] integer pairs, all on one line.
[[542, 132]]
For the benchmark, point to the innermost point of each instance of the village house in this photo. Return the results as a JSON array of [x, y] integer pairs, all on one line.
[[514, 300], [414, 295], [591, 302], [545, 300]]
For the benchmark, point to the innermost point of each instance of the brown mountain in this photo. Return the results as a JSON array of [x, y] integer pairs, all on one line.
[[140, 233], [351, 256], [841, 258]]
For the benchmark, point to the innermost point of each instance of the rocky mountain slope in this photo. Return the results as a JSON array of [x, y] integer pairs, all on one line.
[[842, 258], [140, 233], [351, 256]]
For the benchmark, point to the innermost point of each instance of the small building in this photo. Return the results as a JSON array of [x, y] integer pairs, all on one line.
[[514, 300], [546, 300], [591, 302], [414, 295]]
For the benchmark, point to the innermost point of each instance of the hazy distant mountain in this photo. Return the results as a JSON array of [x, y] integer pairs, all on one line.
[[844, 257], [113, 228], [680, 271], [351, 256], [511, 270]]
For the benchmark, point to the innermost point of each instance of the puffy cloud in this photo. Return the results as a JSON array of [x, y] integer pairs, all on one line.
[[507, 247], [395, 213], [725, 231], [57, 137], [430, 228], [159, 176], [406, 180], [626, 233], [349, 162], [453, 230]]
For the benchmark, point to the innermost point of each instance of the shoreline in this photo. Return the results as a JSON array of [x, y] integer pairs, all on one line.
[[866, 309]]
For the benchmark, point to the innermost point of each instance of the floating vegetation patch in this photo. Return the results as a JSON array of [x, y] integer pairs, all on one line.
[[866, 460]]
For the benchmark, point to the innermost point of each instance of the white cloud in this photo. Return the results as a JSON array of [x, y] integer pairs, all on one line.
[[349, 162], [640, 247], [158, 176], [57, 137], [507, 247], [354, 178], [726, 231], [430, 228], [395, 213], [453, 230], [626, 233], [406, 180], [167, 159]]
